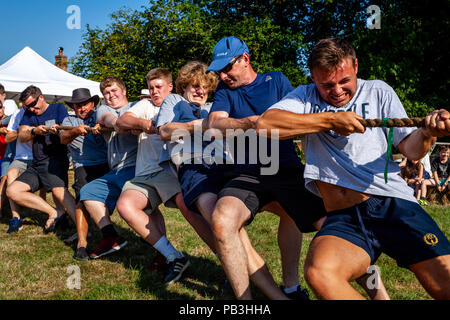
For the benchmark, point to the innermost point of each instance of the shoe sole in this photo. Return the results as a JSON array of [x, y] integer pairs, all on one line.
[[180, 274], [112, 250]]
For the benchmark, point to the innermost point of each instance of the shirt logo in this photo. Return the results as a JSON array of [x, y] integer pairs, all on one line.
[[430, 239], [268, 78]]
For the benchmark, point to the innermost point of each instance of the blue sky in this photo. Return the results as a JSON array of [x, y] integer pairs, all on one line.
[[42, 24]]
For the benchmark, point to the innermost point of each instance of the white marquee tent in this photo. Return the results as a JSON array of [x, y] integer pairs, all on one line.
[[28, 68]]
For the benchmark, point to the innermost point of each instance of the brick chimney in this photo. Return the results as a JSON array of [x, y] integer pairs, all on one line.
[[60, 60]]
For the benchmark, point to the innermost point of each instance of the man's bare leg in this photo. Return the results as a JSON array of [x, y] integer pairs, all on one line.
[[434, 275], [131, 205], [82, 224], [198, 222], [331, 264], [98, 212], [227, 220], [290, 244], [63, 196], [19, 192]]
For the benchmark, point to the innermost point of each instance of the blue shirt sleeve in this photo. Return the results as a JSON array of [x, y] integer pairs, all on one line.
[[26, 119], [221, 100], [285, 85], [167, 111]]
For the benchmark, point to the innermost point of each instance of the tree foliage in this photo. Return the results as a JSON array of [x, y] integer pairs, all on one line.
[[409, 52]]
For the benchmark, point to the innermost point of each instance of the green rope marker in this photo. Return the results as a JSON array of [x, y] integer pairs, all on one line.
[[384, 124]]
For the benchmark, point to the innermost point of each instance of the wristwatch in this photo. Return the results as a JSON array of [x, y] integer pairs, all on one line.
[[32, 132]]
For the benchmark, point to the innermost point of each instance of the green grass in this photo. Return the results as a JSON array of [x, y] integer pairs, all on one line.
[[34, 265]]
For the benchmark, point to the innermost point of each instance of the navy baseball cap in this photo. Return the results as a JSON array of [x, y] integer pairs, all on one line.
[[225, 50]]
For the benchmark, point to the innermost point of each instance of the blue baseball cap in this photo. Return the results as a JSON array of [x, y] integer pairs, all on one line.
[[225, 50]]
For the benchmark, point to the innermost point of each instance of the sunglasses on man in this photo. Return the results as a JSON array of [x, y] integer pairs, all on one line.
[[229, 66], [31, 105]]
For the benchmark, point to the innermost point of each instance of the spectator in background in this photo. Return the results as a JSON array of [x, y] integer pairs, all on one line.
[[145, 94], [413, 173], [440, 169]]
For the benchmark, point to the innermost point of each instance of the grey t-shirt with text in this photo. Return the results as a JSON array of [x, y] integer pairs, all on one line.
[[356, 161]]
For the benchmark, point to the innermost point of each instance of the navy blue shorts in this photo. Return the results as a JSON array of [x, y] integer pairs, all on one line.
[[399, 228], [196, 179]]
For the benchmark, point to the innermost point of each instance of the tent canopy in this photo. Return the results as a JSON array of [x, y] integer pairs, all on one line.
[[28, 68]]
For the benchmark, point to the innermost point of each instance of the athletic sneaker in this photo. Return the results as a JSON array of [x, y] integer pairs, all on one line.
[[81, 254], [299, 294], [15, 225], [108, 245], [175, 269], [423, 202]]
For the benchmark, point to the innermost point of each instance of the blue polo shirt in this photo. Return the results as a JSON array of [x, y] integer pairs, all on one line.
[[48, 145], [254, 99]]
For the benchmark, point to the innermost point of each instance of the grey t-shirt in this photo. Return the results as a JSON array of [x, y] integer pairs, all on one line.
[[88, 150], [356, 161], [122, 148]]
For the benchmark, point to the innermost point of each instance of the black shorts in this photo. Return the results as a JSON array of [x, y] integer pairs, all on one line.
[[51, 173], [85, 174], [287, 187]]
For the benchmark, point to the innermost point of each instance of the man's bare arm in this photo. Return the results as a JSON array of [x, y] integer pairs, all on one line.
[[221, 120], [25, 133], [11, 136], [167, 130], [67, 136], [419, 142], [129, 121], [291, 125]]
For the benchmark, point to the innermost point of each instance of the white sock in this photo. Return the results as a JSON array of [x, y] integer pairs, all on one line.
[[167, 250], [291, 289]]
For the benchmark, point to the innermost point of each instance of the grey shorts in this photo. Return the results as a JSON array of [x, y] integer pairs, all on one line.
[[159, 187], [21, 165]]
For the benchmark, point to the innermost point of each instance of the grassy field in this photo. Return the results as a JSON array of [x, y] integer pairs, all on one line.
[[36, 266]]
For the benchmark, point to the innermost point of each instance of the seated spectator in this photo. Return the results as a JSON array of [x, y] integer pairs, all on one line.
[[440, 168], [413, 173]]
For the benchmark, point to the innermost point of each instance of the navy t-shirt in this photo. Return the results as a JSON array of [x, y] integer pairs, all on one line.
[[48, 145], [254, 99]]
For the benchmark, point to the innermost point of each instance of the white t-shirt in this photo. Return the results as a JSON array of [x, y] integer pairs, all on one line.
[[356, 161], [24, 150], [149, 145], [10, 107]]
